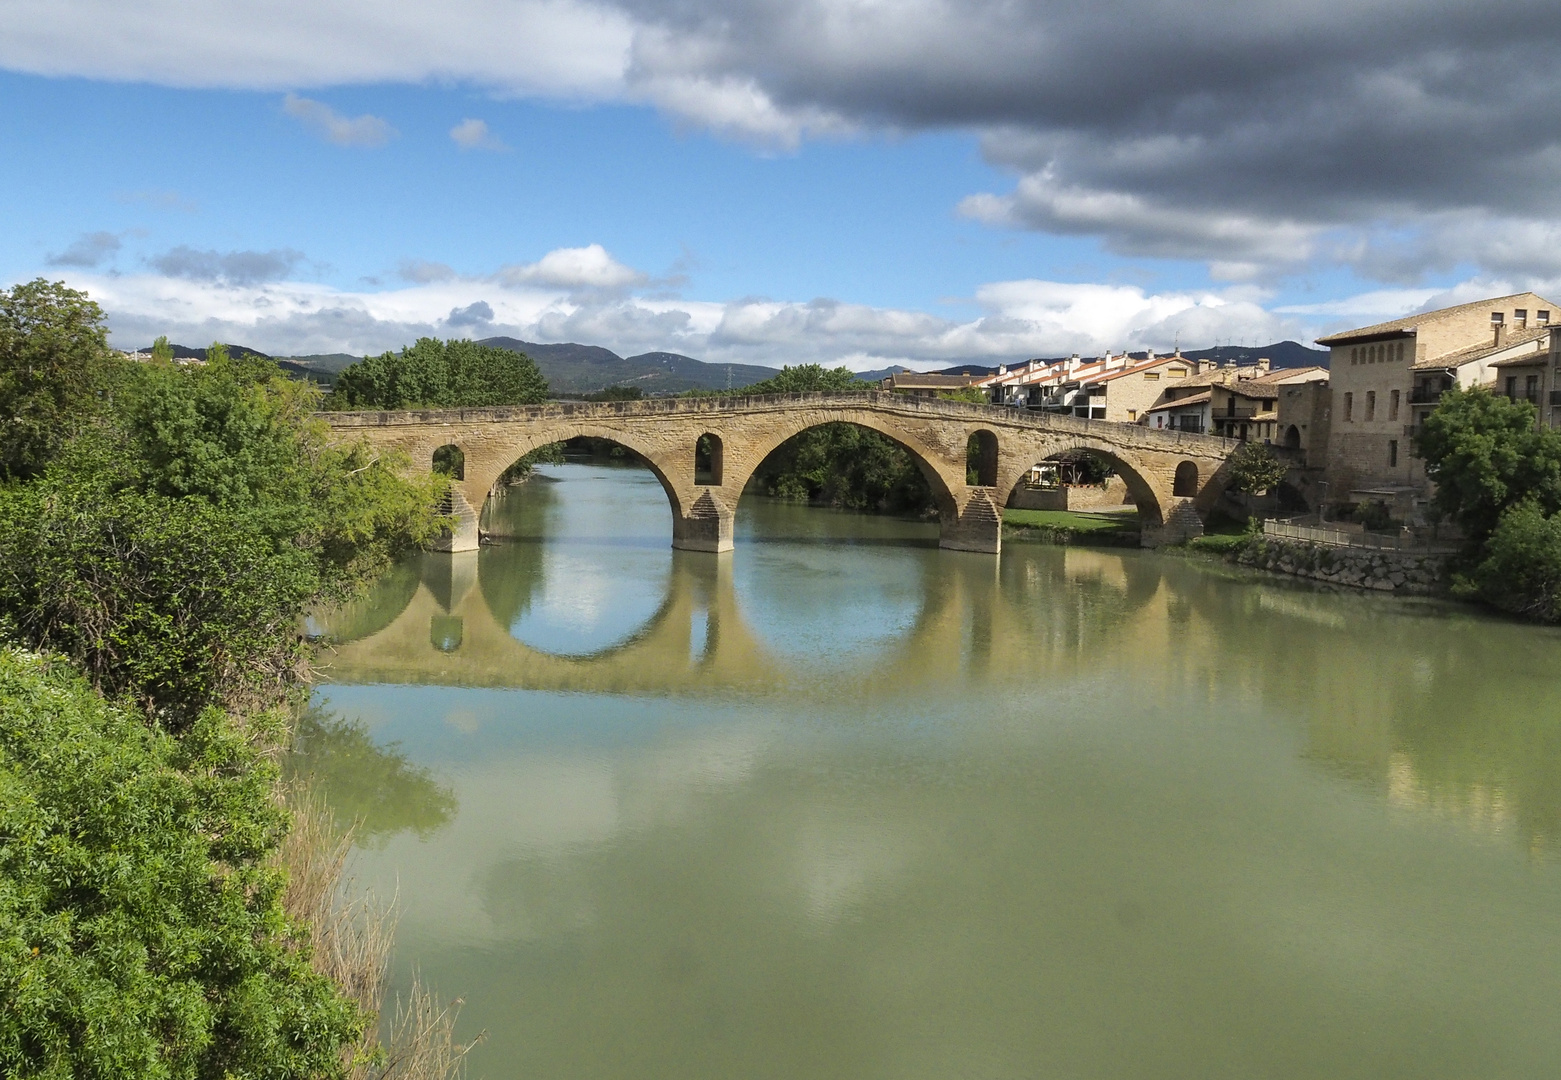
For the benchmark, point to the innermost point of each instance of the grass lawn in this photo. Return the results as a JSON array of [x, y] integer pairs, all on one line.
[[1071, 520]]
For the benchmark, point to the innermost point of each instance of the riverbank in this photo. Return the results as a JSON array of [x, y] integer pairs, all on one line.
[[1070, 527], [1371, 569]]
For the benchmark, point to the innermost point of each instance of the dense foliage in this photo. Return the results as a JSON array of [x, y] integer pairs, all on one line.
[[1499, 477], [141, 931], [169, 538], [1254, 468], [438, 374], [55, 372], [164, 526]]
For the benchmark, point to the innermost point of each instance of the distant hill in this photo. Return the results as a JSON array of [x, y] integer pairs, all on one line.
[[581, 369], [1281, 354]]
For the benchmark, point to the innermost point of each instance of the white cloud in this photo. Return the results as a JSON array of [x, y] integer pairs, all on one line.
[[545, 301], [472, 134], [587, 267], [366, 132]]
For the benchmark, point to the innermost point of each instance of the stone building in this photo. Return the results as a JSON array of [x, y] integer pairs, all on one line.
[[1234, 402], [1386, 378], [1535, 377], [1118, 388], [929, 384]]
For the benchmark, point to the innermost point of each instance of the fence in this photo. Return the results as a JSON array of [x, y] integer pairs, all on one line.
[[1314, 534]]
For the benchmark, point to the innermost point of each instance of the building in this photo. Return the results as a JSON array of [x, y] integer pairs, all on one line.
[[928, 384], [1534, 377], [1304, 417], [1386, 378], [1116, 388], [1232, 402]]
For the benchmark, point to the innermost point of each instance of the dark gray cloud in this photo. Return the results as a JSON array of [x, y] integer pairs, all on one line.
[[89, 250], [475, 315], [233, 267], [1244, 133]]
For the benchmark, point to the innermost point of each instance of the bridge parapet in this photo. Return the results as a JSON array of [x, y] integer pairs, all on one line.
[[1173, 476]]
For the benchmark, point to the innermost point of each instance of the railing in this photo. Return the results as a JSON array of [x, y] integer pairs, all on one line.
[[1314, 534], [1236, 414], [1425, 395]]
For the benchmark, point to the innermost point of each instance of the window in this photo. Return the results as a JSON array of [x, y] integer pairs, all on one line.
[[1398, 353], [1371, 404], [1392, 453], [1132, 414], [1177, 373], [1512, 387], [1151, 376], [1520, 316], [1355, 356], [1349, 407], [1393, 405], [1268, 404], [1531, 389], [1497, 318], [1542, 317]]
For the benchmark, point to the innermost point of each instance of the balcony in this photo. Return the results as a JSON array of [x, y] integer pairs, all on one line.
[[1235, 414], [1425, 395]]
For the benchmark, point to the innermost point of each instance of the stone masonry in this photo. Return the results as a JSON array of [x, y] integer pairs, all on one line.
[[664, 433], [1357, 567]]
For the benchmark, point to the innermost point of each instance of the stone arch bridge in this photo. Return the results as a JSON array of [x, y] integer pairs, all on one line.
[[1173, 477]]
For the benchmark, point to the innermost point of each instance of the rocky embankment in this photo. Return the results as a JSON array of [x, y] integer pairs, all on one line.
[[1361, 568]]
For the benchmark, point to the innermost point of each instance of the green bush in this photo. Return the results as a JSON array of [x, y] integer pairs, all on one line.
[[141, 929], [1521, 568], [173, 601]]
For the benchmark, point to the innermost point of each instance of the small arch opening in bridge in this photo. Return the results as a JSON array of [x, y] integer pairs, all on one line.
[[981, 459], [1185, 483], [1079, 480], [1292, 438], [708, 454], [450, 460]]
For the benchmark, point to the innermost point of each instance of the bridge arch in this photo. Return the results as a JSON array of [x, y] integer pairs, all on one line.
[[941, 475], [486, 464], [1134, 473]]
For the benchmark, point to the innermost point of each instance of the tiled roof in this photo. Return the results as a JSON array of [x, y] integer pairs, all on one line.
[[1409, 322], [1196, 399], [1481, 351]]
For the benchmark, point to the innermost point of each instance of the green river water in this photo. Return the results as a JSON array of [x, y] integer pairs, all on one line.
[[841, 804]]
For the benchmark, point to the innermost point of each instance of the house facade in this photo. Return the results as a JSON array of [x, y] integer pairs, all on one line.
[[1385, 379]]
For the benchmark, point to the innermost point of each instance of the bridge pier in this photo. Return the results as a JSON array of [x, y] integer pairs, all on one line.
[[465, 536], [706, 527], [976, 526], [1182, 522]]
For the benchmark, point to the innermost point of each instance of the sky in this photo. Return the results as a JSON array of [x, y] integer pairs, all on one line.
[[858, 182]]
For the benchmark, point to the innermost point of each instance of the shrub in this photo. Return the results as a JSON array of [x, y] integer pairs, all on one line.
[[141, 932], [1521, 568], [176, 602]]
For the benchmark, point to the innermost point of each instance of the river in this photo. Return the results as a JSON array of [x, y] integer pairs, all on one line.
[[841, 804]]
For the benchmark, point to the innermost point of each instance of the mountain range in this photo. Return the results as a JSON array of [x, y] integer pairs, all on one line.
[[582, 369]]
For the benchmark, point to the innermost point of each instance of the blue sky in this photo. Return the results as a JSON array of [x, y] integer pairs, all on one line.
[[252, 178]]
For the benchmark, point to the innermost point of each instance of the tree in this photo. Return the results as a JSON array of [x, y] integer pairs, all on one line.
[[1520, 570], [1485, 455], [1254, 468], [141, 927], [162, 352], [440, 375], [808, 379], [55, 372]]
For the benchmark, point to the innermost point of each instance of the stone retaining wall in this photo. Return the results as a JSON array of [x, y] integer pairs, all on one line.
[[1360, 568]]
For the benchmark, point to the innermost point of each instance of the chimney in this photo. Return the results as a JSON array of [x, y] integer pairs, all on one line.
[[1002, 369], [1149, 355], [1262, 363], [1498, 334]]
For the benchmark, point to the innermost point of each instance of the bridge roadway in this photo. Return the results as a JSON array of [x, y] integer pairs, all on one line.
[[1174, 477]]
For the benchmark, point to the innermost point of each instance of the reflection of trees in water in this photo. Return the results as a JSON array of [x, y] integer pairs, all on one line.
[[374, 786], [511, 571], [1448, 711], [376, 609]]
